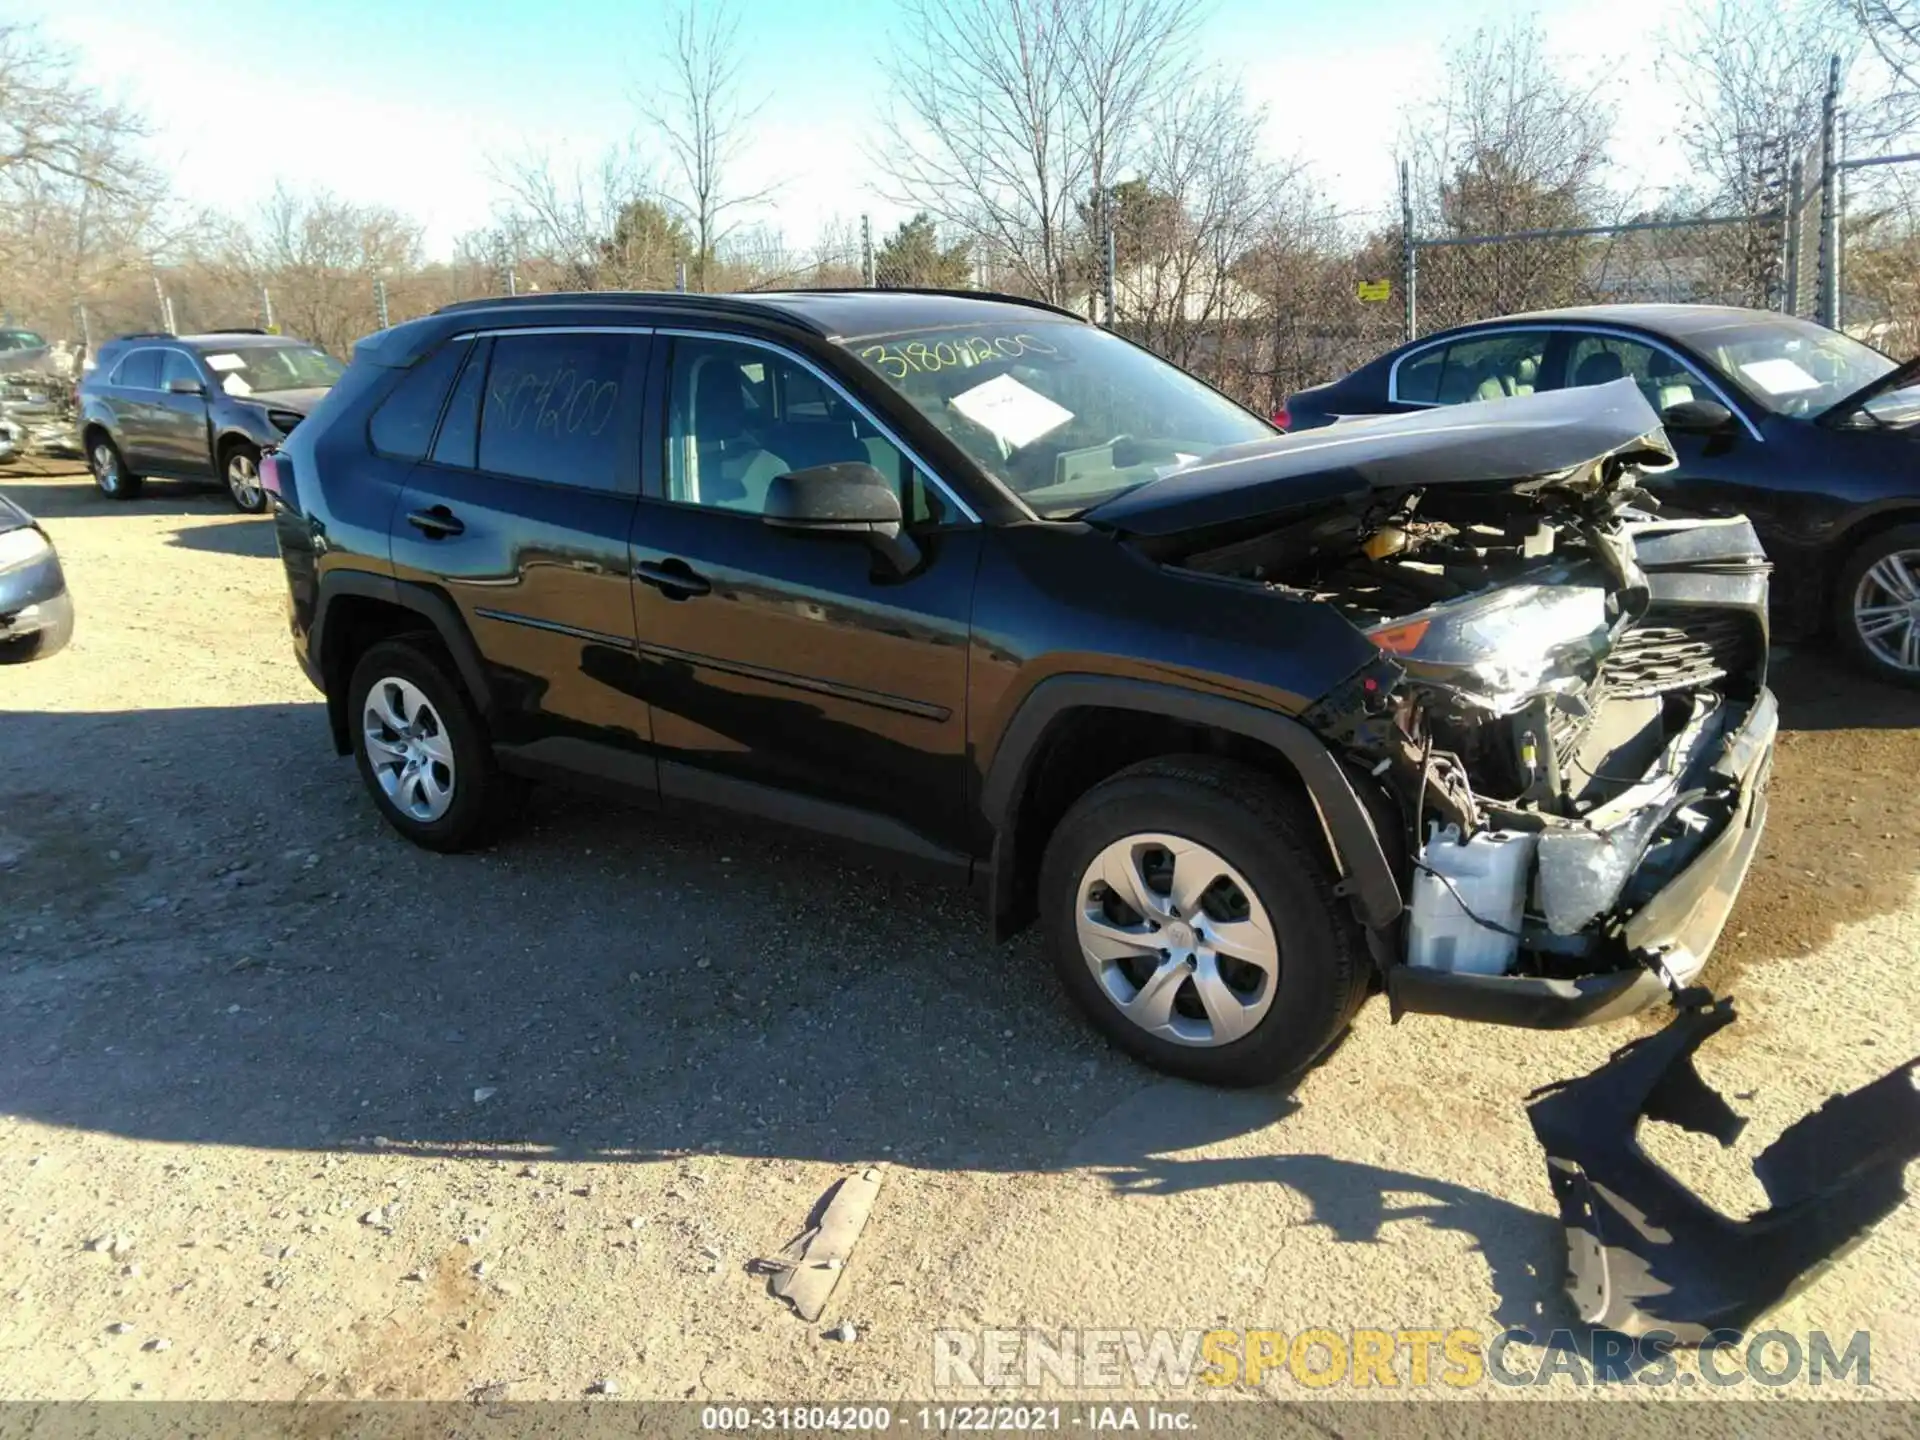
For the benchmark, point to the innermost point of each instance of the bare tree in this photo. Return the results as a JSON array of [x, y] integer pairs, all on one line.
[[1007, 114], [1513, 144], [1751, 74], [1892, 28], [51, 125], [595, 228], [699, 112]]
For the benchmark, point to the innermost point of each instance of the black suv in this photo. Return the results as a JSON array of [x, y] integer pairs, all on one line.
[[1253, 724], [196, 407]]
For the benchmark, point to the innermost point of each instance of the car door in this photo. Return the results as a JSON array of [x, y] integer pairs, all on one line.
[[178, 439], [800, 676], [131, 394], [520, 514], [1731, 470]]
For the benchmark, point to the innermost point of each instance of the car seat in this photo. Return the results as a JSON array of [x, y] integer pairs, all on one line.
[[1668, 382], [1602, 367]]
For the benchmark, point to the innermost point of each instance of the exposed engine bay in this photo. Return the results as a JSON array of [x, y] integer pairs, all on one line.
[[1562, 673]]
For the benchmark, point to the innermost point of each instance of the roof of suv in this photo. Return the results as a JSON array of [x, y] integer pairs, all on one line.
[[838, 313], [206, 339]]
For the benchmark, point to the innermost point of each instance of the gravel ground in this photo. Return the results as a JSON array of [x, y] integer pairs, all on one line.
[[291, 1109]]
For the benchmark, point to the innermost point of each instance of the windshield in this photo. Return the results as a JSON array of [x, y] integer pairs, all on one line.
[[262, 369], [1064, 414], [1794, 367]]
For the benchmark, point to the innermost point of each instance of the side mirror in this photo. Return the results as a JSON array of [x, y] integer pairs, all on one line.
[[848, 497], [186, 387], [1697, 417]]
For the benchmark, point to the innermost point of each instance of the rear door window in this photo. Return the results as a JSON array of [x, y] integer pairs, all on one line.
[[459, 434], [1480, 367], [139, 371], [560, 408], [403, 426]]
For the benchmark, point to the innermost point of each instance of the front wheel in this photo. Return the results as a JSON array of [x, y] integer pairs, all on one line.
[[110, 473], [242, 470], [1877, 605], [1190, 910]]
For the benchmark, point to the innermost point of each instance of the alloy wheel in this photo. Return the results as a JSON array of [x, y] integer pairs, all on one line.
[[106, 468], [1177, 940], [243, 480], [408, 749], [1886, 610]]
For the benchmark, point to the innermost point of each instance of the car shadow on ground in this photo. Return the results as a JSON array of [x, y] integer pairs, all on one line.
[[63, 490], [1818, 690], [231, 537]]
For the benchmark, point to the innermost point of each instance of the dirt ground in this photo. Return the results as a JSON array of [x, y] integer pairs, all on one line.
[[291, 1109]]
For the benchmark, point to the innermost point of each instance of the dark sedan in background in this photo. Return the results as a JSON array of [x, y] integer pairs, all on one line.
[[1808, 432], [36, 614]]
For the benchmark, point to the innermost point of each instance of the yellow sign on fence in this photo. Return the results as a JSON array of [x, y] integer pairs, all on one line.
[[1375, 289]]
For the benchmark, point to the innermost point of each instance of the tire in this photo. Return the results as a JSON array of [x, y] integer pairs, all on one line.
[[240, 470], [1878, 626], [110, 474], [456, 797], [1266, 843]]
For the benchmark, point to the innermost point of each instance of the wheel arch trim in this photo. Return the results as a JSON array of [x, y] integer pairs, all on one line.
[[440, 613], [1368, 879]]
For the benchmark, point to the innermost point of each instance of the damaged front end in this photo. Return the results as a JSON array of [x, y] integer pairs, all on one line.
[[1569, 710], [1645, 1256]]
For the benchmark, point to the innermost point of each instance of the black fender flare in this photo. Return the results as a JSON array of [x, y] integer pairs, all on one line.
[[442, 616], [1368, 880]]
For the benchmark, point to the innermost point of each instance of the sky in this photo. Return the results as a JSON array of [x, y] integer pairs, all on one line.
[[415, 105]]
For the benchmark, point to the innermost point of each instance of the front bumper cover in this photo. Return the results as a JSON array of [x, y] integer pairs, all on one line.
[[1645, 1255], [1678, 926]]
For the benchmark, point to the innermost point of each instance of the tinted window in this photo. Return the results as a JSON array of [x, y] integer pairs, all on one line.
[[460, 427], [176, 366], [1482, 368], [139, 371], [403, 425], [553, 407], [1598, 359], [738, 416]]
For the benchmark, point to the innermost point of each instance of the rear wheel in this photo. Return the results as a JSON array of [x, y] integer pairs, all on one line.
[[1189, 908], [422, 750], [1877, 605], [240, 464], [110, 473]]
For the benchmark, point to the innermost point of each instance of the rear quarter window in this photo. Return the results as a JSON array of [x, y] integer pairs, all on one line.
[[403, 424]]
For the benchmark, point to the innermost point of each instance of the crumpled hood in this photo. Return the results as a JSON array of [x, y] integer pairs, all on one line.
[[299, 401], [1526, 442]]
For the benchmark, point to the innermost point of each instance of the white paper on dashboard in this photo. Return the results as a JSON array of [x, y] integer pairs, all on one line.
[[1014, 413], [226, 362], [1779, 376], [234, 385]]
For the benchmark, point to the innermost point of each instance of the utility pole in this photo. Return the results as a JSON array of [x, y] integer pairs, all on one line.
[[1830, 199], [380, 299], [160, 303], [266, 310], [868, 277]]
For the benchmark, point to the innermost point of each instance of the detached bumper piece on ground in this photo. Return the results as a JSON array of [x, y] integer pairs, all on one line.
[[1645, 1255]]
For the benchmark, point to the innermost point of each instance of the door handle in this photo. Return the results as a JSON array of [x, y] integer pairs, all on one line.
[[436, 522], [673, 578]]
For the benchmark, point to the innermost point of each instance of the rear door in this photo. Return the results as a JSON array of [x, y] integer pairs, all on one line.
[[520, 514], [179, 441], [131, 393]]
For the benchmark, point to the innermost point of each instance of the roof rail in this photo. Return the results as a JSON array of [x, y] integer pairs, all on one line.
[[143, 335], [995, 295], [236, 330], [693, 299]]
